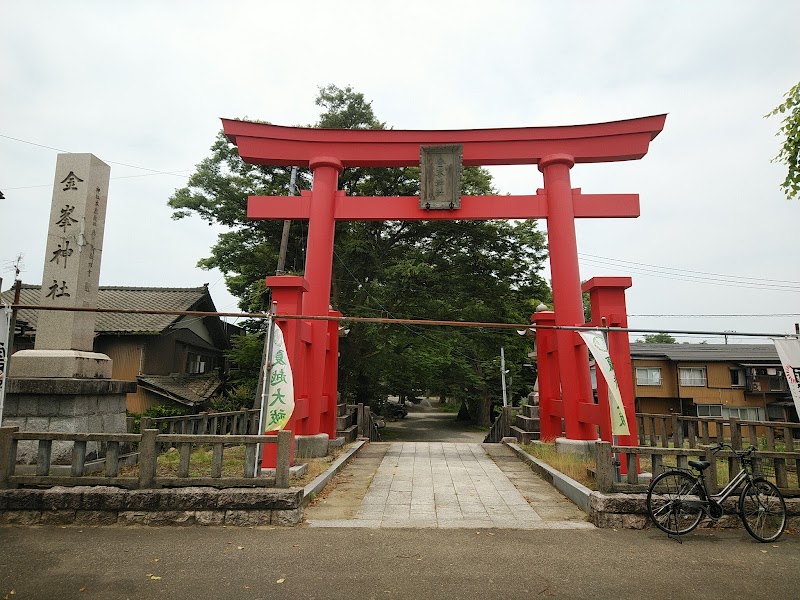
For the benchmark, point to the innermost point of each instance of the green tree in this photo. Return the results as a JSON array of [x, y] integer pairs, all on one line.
[[659, 338], [445, 270], [789, 154]]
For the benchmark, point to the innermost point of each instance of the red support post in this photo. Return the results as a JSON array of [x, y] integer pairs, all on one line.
[[607, 298], [551, 408], [331, 384], [287, 293]]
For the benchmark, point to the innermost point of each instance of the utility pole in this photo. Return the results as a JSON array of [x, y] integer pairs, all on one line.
[[503, 371], [279, 271], [286, 225]]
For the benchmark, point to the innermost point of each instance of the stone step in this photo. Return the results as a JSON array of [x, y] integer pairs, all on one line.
[[341, 410], [524, 437], [343, 422], [527, 423], [530, 411], [348, 434]]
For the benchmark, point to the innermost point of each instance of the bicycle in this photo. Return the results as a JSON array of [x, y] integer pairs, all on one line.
[[677, 499]]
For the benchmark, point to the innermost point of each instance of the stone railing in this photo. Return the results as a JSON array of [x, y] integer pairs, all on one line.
[[148, 443], [367, 428], [501, 427], [777, 466]]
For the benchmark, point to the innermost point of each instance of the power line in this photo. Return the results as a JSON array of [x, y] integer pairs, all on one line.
[[775, 315], [705, 280], [688, 270], [47, 185], [420, 322], [122, 164]]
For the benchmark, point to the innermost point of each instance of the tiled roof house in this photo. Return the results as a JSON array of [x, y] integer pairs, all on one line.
[[744, 381], [175, 359]]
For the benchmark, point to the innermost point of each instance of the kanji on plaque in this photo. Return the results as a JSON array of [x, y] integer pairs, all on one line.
[[280, 403]]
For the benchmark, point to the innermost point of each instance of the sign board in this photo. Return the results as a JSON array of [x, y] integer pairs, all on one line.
[[789, 352], [440, 177], [5, 352]]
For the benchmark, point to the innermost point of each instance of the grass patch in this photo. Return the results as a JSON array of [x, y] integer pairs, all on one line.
[[573, 465], [578, 466], [232, 464]]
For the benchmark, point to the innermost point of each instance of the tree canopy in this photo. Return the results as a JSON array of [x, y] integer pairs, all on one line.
[[444, 270], [659, 338], [789, 130]]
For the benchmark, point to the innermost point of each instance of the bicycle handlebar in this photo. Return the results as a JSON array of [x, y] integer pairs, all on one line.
[[739, 453]]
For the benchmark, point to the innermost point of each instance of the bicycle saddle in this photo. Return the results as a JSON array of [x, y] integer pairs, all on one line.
[[700, 465]]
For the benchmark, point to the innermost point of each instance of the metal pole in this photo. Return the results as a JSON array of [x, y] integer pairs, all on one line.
[[5, 351], [266, 371], [615, 458], [503, 371], [286, 225]]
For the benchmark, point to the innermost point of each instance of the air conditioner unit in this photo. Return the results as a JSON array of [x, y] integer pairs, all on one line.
[[756, 386], [772, 372]]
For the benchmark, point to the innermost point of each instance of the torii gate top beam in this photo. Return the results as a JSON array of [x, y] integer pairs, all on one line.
[[265, 144]]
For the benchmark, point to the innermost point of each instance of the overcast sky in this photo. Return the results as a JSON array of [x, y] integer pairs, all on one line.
[[143, 85]]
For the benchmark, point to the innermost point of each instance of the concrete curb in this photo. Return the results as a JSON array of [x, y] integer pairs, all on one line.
[[316, 486], [577, 492]]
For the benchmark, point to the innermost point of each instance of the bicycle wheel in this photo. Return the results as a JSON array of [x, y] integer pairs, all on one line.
[[675, 502], [762, 510]]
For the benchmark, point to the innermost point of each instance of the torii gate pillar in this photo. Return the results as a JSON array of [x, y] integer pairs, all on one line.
[[576, 388]]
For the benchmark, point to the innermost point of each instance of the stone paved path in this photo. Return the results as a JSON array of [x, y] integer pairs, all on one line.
[[454, 485]]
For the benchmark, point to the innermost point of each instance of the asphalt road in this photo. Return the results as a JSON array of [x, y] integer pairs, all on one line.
[[215, 562]]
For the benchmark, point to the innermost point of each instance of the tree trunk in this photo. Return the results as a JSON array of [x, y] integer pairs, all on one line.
[[483, 414]]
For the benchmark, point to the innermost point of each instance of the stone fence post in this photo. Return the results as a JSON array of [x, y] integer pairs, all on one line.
[[283, 458], [605, 467], [7, 455], [148, 456]]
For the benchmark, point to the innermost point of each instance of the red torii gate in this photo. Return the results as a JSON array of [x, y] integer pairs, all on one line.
[[327, 151]]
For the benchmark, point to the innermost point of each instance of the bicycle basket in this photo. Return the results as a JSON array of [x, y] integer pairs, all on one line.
[[764, 467]]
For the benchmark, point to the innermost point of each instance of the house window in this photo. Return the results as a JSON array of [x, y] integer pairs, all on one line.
[[693, 376], [709, 410], [737, 378], [777, 383], [196, 364], [648, 376], [743, 413]]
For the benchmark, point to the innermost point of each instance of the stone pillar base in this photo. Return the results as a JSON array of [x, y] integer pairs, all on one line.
[[565, 445], [65, 405], [60, 364]]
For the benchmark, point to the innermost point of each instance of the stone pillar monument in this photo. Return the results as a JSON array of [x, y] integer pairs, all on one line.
[[62, 385]]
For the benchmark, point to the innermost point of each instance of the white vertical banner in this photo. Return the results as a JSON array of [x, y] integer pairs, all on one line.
[[789, 352], [279, 404], [595, 340], [5, 351]]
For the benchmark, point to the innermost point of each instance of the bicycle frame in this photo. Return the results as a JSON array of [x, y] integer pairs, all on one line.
[[722, 495], [734, 483]]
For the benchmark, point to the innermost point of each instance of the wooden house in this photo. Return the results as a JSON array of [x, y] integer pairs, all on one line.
[[744, 381], [176, 360]]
